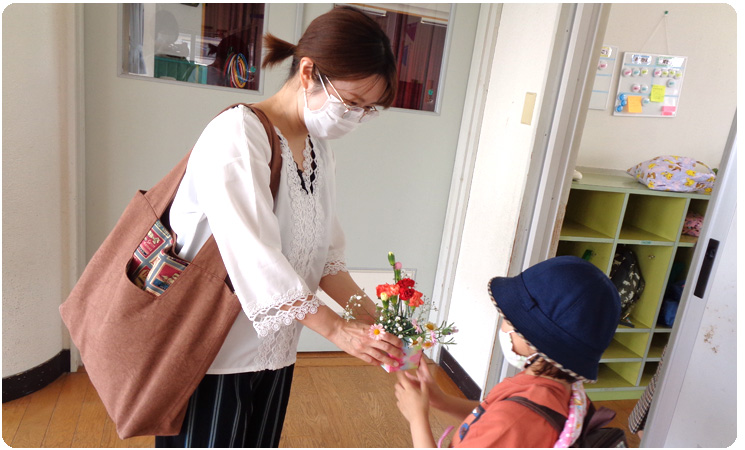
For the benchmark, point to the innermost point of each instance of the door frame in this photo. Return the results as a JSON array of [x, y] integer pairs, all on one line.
[[465, 160], [558, 133]]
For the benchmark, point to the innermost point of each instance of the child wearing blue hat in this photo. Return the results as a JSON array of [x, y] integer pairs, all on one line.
[[559, 316]]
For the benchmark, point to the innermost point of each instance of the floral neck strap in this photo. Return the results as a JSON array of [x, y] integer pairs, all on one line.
[[577, 412]]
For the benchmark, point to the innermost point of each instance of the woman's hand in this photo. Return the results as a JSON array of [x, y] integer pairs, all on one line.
[[354, 338]]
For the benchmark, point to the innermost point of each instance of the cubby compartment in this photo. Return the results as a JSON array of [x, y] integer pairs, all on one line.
[[650, 368], [697, 206], [626, 347], [659, 341], [674, 288], [681, 263], [592, 214], [652, 219], [599, 254], [654, 263], [617, 375]]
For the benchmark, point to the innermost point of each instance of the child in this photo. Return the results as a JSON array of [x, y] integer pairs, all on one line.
[[559, 316]]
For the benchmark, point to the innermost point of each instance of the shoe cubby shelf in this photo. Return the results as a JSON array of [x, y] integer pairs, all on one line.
[[608, 208]]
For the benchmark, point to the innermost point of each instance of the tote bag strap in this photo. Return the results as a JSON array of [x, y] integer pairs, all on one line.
[[275, 162], [209, 251], [162, 194]]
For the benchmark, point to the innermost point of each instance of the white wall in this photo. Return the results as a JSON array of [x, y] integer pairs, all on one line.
[[706, 33], [520, 65], [38, 180]]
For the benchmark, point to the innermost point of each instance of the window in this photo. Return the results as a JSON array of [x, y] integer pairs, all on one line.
[[418, 34], [216, 44]]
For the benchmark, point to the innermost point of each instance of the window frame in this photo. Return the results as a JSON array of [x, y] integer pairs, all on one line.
[[445, 57], [123, 56]]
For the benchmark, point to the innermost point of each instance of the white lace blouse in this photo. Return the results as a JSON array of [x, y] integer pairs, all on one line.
[[275, 251]]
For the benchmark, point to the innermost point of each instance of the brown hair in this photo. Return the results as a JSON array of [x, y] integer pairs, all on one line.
[[344, 43], [542, 367]]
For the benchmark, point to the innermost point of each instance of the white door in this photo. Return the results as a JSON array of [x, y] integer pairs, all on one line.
[[695, 401]]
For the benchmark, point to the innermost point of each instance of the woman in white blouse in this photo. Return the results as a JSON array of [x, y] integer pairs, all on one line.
[[279, 251]]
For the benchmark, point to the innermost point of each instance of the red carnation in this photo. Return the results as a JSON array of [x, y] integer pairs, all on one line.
[[416, 300], [406, 283], [406, 293]]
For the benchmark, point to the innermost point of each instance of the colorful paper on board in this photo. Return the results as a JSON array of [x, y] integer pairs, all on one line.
[[658, 93], [634, 105]]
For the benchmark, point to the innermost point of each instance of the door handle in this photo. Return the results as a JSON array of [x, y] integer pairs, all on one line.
[[706, 265]]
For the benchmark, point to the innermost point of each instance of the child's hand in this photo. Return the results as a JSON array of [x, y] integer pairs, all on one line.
[[413, 399], [423, 377]]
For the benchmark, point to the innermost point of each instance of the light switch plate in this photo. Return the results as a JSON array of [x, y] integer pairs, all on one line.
[[528, 107]]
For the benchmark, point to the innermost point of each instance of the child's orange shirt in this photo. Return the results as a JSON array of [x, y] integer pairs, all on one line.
[[495, 423]]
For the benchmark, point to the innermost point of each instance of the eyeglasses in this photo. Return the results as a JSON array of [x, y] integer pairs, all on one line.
[[356, 113]]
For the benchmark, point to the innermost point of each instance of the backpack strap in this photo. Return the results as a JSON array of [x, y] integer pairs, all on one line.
[[555, 419], [596, 418]]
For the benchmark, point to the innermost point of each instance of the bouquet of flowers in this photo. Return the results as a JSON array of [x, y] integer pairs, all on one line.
[[405, 313]]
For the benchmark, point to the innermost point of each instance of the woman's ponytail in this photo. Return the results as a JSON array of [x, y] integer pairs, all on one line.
[[277, 50]]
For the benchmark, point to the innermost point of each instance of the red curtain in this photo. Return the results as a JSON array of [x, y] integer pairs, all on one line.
[[239, 26], [418, 48]]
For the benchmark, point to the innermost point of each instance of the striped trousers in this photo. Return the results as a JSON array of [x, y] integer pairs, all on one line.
[[235, 410]]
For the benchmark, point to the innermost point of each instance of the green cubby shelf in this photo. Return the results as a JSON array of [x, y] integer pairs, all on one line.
[[654, 263], [653, 218], [582, 215], [600, 253], [698, 205], [650, 367], [659, 341], [626, 347], [608, 208]]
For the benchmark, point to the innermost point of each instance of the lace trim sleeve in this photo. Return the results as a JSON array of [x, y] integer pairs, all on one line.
[[335, 263], [268, 319]]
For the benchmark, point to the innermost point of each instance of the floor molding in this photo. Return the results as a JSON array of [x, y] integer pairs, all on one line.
[[459, 376], [30, 381]]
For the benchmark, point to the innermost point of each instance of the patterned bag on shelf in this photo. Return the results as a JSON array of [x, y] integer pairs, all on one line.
[[627, 277], [674, 173], [692, 224]]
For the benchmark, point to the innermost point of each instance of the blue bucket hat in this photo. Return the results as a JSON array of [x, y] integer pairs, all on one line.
[[565, 307]]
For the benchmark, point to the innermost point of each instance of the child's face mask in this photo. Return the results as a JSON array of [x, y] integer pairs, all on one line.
[[515, 360]]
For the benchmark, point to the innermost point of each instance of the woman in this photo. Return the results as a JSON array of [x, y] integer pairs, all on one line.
[[279, 251]]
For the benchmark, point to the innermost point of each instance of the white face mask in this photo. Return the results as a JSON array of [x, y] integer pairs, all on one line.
[[328, 122], [515, 360]]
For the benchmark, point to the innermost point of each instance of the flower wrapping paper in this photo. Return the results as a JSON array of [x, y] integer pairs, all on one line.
[[412, 356]]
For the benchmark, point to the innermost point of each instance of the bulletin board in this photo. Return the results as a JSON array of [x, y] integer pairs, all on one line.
[[649, 85]]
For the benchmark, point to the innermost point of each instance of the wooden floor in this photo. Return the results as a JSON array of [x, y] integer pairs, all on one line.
[[336, 401]]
